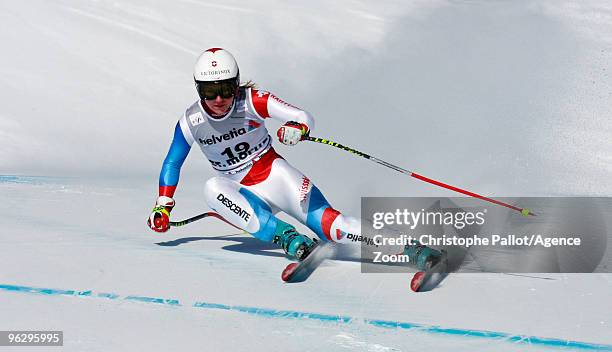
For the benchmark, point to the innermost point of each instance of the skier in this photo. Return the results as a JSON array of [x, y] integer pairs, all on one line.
[[254, 182]]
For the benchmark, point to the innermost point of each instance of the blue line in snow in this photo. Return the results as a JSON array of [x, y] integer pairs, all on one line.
[[291, 314], [170, 302], [31, 180]]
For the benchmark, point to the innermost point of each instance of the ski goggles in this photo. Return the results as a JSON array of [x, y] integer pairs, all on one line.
[[211, 90]]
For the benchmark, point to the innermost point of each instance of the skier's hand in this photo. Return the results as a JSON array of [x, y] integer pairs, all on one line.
[[292, 132], [159, 220]]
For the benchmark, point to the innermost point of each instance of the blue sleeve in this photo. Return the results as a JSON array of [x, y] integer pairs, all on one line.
[[171, 169]]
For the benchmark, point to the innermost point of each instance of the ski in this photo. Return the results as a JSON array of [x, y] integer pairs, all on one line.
[[428, 280], [300, 271]]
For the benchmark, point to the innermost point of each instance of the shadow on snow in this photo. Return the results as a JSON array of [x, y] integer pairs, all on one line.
[[244, 244]]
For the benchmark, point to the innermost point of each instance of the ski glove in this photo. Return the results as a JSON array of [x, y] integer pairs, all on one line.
[[159, 220], [292, 132]]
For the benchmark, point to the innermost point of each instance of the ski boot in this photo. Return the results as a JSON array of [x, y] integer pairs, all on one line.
[[424, 257], [293, 243]]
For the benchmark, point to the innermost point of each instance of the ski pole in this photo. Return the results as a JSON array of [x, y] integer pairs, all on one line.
[[523, 211], [201, 216]]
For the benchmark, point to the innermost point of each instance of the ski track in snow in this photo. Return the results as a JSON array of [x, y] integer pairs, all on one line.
[[132, 29], [214, 5]]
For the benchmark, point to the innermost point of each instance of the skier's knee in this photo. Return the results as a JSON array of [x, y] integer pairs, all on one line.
[[241, 207], [223, 196], [263, 224]]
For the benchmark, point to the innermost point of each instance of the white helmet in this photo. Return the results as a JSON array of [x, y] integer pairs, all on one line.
[[216, 64]]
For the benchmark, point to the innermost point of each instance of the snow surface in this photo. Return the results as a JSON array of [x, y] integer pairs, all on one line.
[[503, 98], [64, 234]]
